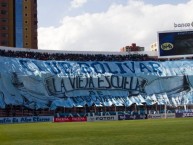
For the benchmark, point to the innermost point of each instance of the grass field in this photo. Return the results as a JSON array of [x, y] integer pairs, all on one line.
[[135, 132]]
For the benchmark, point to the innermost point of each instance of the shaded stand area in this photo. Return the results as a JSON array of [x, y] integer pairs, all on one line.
[[17, 111]]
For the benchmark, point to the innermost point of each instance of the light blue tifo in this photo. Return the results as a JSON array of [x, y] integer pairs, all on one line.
[[49, 84]]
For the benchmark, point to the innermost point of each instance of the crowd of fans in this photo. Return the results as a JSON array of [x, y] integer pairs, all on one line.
[[74, 56]]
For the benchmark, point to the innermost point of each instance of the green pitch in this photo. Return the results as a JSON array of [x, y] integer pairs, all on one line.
[[135, 132]]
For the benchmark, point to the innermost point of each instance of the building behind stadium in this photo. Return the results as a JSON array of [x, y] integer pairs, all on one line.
[[18, 23]]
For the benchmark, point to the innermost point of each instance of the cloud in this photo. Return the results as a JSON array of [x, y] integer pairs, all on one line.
[[77, 3], [119, 26]]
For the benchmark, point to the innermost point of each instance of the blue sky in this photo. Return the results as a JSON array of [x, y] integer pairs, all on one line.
[[100, 24]]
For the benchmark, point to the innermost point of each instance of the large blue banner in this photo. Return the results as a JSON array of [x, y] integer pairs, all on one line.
[[43, 84]]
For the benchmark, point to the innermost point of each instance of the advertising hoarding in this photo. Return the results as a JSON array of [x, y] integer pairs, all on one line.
[[162, 115], [132, 117], [102, 118], [70, 119], [25, 119]]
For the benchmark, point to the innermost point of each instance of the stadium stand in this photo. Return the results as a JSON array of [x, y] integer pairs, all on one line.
[[86, 110]]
